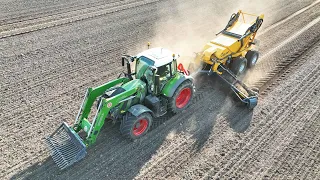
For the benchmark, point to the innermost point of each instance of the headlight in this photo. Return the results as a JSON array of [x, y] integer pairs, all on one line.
[[152, 87]]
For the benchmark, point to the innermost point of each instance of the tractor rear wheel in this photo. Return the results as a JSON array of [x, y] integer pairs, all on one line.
[[239, 65], [134, 127], [252, 57], [181, 97]]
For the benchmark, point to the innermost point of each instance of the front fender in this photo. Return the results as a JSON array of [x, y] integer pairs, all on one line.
[[138, 109], [174, 83]]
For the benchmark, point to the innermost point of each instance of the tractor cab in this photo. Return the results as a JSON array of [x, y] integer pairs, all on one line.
[[167, 84], [156, 64]]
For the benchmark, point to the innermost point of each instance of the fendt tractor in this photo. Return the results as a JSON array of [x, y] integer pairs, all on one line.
[[230, 54], [157, 86]]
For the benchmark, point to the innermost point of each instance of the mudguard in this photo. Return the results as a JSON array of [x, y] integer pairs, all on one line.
[[174, 83], [138, 109]]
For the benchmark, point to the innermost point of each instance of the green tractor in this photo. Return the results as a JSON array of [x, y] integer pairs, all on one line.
[[157, 86]]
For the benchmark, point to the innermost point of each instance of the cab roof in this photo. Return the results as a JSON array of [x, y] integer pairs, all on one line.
[[159, 55]]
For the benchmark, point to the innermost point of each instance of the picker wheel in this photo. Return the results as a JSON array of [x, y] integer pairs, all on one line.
[[134, 127], [181, 98], [252, 57], [239, 65]]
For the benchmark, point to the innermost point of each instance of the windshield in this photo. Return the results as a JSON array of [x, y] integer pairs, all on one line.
[[142, 65]]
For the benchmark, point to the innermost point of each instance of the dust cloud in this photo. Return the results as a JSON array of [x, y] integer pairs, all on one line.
[[186, 32]]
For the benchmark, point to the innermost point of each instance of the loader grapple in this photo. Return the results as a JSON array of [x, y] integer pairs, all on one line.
[[66, 146]]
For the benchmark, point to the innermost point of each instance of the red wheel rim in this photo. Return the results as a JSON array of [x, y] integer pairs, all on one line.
[[140, 127], [183, 98]]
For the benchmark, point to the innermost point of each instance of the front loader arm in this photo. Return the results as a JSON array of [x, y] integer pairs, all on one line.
[[92, 129], [65, 144], [93, 93], [103, 111]]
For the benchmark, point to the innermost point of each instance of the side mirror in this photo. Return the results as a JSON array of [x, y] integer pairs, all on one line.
[[126, 58], [133, 58], [123, 61]]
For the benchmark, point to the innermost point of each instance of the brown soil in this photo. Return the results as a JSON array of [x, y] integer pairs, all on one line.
[[51, 51]]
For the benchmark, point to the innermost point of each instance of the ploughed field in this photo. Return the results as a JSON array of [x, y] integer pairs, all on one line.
[[51, 51]]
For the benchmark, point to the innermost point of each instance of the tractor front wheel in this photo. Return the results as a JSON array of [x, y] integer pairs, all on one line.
[[239, 65], [181, 97], [134, 127]]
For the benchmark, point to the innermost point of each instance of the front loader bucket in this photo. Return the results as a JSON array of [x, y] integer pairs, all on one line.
[[66, 146]]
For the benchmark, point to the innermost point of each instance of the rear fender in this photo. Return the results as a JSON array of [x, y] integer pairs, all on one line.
[[174, 83]]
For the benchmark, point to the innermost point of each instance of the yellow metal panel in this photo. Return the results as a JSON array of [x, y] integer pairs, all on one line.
[[239, 28], [224, 45], [225, 40]]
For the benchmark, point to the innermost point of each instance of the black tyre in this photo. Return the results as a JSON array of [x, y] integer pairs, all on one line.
[[182, 97], [134, 127], [239, 65], [252, 57]]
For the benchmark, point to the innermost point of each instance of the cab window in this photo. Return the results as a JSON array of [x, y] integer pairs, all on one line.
[[166, 71], [142, 65], [163, 70]]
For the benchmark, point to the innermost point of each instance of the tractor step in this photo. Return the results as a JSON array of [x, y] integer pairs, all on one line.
[[66, 146]]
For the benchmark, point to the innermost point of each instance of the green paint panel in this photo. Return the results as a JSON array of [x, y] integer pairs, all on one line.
[[173, 83], [136, 83], [85, 125]]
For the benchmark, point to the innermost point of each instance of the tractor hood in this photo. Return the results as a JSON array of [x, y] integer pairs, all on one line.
[[140, 87], [134, 84]]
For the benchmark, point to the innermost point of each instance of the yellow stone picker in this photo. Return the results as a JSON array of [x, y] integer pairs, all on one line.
[[231, 53]]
